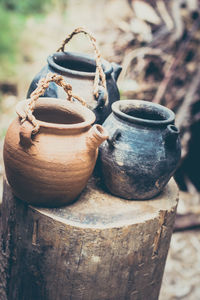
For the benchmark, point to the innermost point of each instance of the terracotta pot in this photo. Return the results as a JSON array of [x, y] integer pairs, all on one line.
[[51, 167], [143, 150], [80, 70]]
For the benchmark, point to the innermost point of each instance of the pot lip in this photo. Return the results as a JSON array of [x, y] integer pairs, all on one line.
[[74, 56], [117, 106], [65, 105]]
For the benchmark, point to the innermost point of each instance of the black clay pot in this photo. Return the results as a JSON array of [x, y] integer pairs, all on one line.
[[79, 71], [143, 150]]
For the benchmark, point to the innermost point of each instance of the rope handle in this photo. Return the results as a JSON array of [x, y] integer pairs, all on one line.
[[42, 85], [100, 78]]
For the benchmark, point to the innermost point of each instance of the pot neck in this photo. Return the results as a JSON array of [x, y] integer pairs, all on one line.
[[76, 64], [62, 130], [60, 116], [143, 113]]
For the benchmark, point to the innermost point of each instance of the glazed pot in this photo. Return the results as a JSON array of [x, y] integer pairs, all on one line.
[[143, 150], [50, 156], [92, 79]]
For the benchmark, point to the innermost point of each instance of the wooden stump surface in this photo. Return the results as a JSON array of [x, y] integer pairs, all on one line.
[[99, 248]]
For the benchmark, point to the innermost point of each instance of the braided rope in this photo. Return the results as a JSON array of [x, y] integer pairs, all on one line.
[[42, 85], [100, 78]]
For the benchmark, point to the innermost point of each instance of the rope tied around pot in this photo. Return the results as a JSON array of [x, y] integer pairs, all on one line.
[[100, 78], [42, 85]]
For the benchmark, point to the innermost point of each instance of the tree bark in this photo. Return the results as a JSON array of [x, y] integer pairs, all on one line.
[[99, 248]]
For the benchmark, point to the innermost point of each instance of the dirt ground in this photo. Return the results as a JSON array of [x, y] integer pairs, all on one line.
[[182, 277], [182, 273]]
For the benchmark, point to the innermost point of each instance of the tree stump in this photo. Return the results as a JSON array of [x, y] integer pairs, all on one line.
[[99, 248]]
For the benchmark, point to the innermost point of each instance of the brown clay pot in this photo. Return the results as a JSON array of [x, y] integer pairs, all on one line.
[[52, 167]]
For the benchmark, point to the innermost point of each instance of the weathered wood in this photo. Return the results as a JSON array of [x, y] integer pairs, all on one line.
[[101, 247]]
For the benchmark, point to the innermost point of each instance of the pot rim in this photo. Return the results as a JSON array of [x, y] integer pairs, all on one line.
[[74, 56], [65, 105], [165, 112]]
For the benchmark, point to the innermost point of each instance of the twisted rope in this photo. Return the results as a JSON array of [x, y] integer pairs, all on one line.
[[100, 78], [42, 85]]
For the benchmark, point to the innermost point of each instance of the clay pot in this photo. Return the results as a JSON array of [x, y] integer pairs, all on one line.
[[51, 167], [92, 79], [143, 150]]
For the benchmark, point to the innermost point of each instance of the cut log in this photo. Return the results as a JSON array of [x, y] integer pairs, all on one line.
[[99, 248]]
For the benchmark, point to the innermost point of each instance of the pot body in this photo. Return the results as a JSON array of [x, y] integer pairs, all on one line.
[[79, 71], [54, 169], [141, 155]]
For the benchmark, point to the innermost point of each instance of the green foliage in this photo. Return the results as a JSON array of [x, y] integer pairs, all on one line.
[[8, 41], [13, 15], [26, 6], [3, 132]]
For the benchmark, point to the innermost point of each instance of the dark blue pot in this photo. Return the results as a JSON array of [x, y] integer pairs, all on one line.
[[79, 71], [143, 150]]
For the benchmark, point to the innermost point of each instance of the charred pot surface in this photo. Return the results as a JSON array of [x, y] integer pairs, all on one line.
[[143, 149], [79, 70]]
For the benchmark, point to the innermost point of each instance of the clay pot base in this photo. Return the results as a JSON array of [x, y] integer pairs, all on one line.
[[49, 203]]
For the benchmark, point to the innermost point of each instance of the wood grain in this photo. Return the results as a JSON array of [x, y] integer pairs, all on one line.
[[99, 248]]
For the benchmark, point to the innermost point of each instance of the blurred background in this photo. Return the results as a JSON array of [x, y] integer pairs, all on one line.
[[157, 44]]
